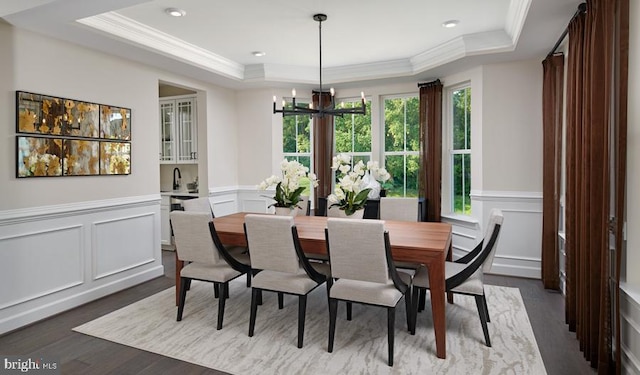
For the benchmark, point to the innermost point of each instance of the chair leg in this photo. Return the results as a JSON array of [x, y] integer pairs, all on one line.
[[216, 290], [260, 297], [414, 309], [302, 308], [255, 295], [333, 312], [423, 298], [248, 279], [408, 305], [391, 322], [183, 296], [349, 310], [189, 284], [486, 309], [224, 293], [483, 318], [280, 300]]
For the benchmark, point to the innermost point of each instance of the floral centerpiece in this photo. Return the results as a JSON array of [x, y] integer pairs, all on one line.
[[288, 188], [351, 191]]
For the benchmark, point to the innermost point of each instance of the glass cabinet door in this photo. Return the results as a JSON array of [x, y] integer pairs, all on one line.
[[167, 131], [187, 131]]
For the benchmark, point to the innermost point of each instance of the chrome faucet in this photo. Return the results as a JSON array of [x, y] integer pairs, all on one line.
[[176, 181]]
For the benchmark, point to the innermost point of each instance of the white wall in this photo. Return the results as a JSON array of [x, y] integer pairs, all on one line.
[[68, 240]]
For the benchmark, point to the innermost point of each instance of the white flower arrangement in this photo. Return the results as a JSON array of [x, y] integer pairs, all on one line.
[[350, 193], [288, 189]]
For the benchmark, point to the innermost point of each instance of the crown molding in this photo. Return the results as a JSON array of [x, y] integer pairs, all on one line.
[[467, 45], [155, 40], [516, 15]]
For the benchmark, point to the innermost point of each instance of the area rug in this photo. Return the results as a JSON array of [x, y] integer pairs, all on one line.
[[360, 345]]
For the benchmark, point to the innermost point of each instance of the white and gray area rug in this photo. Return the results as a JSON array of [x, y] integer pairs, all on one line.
[[360, 345]]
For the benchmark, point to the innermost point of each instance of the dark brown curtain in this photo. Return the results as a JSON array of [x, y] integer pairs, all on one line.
[[431, 147], [322, 148], [596, 87], [553, 81]]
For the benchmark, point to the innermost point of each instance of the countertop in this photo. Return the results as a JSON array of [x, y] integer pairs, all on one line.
[[179, 193]]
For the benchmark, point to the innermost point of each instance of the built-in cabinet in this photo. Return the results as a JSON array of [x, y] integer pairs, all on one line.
[[165, 226], [178, 130]]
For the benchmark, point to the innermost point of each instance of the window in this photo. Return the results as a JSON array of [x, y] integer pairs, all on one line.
[[460, 149], [352, 133], [296, 142], [402, 145]]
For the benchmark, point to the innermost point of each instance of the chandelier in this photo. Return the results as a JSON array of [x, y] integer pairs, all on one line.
[[323, 109]]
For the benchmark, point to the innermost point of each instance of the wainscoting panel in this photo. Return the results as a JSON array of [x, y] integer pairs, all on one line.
[[630, 328], [58, 257], [54, 255], [520, 245], [121, 244]]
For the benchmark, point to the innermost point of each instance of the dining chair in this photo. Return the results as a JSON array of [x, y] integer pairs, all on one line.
[[304, 206], [364, 272], [279, 265], [195, 245], [401, 209], [203, 204], [465, 275]]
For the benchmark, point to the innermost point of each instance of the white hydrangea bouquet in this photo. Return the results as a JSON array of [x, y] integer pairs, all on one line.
[[288, 189], [351, 191]]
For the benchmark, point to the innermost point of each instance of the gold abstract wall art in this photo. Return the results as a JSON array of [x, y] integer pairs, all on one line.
[[68, 137]]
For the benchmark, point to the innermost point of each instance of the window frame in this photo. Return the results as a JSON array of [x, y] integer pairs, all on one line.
[[297, 154], [357, 154], [449, 153], [383, 123]]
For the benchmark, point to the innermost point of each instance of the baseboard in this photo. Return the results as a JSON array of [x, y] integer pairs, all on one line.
[[33, 315]]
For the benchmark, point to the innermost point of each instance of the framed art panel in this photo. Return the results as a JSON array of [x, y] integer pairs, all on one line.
[[80, 157], [81, 119], [115, 158], [115, 123], [38, 156]]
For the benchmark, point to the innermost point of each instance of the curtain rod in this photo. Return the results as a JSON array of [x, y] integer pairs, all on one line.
[[582, 8], [436, 82]]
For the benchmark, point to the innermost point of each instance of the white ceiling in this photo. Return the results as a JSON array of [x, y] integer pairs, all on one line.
[[363, 42]]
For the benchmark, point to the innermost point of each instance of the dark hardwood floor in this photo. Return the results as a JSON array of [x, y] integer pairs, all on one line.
[[81, 354]]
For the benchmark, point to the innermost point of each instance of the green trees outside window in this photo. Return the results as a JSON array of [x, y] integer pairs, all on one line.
[[461, 151], [402, 145], [296, 143], [352, 134]]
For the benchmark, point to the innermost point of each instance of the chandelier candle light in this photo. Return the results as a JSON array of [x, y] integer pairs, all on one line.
[[322, 109]]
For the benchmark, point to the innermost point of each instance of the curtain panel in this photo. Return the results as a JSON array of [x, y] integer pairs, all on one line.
[[322, 148], [552, 96], [596, 89], [431, 147]]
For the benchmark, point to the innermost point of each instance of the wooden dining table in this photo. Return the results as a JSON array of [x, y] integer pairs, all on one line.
[[419, 242]]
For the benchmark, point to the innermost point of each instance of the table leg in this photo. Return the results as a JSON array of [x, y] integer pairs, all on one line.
[[450, 259], [179, 265], [436, 283]]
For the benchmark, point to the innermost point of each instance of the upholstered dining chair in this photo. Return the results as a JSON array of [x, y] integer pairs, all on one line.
[[194, 245], [464, 276], [203, 204], [304, 206], [364, 272], [279, 265], [401, 209]]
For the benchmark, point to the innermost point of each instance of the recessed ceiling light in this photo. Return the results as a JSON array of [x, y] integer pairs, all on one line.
[[451, 23], [258, 53], [175, 12]]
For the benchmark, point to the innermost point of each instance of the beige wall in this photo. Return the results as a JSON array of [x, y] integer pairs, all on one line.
[[512, 126], [39, 64]]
